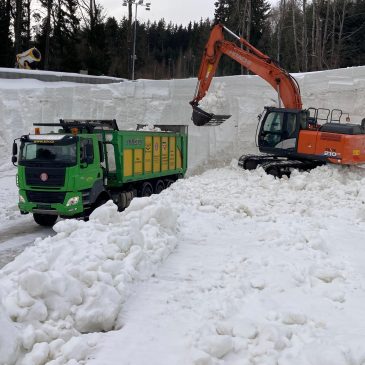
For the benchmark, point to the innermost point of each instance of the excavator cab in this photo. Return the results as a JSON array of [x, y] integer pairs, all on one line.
[[279, 130]]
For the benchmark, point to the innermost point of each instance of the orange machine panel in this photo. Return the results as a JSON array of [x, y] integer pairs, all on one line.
[[307, 142], [345, 149]]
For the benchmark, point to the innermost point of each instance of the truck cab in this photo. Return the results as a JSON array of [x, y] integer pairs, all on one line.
[[58, 175]]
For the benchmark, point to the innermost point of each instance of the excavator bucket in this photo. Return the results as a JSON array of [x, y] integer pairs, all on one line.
[[203, 119]]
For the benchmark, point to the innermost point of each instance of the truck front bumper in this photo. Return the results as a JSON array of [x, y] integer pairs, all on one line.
[[62, 209]]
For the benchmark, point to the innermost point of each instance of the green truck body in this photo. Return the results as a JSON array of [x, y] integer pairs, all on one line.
[[70, 173]]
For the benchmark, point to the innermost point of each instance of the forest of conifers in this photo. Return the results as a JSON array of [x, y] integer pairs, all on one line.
[[75, 35]]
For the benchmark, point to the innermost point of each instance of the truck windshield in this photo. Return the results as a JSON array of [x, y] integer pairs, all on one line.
[[57, 153]]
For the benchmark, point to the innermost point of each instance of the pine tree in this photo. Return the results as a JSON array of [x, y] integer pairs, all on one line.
[[65, 36], [6, 56]]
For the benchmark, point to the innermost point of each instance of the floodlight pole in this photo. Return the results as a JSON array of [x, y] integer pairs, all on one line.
[[148, 7], [134, 41]]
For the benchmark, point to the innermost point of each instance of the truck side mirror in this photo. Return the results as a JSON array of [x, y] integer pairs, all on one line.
[[15, 149], [14, 159]]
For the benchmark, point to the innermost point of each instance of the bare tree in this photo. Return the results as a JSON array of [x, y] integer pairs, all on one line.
[[313, 34], [47, 33], [325, 36], [18, 18], [27, 21], [129, 39], [318, 36], [241, 7], [295, 39], [89, 7], [304, 39], [279, 28], [340, 34], [333, 33]]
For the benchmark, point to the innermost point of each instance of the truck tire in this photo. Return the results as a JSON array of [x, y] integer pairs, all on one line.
[[146, 189], [168, 183], [45, 220], [159, 186], [101, 200]]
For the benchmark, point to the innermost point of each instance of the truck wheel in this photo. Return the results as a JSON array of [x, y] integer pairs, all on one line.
[[168, 183], [45, 219], [159, 186], [99, 202], [146, 189]]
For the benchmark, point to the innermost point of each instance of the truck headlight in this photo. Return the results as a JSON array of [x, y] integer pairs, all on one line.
[[73, 201], [21, 199]]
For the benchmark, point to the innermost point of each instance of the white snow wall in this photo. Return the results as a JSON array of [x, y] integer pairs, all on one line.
[[166, 102]]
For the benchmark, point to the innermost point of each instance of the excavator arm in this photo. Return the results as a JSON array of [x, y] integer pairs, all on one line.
[[250, 58]]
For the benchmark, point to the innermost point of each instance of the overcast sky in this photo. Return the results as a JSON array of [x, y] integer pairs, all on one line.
[[176, 11]]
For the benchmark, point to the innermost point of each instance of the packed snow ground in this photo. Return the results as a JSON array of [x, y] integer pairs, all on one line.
[[223, 268], [16, 231]]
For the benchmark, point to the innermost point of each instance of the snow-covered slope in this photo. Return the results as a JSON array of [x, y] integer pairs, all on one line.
[[23, 102]]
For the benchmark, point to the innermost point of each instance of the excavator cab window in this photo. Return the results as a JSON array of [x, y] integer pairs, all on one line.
[[279, 130]]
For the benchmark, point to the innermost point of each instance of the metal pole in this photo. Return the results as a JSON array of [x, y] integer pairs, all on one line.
[[134, 42]]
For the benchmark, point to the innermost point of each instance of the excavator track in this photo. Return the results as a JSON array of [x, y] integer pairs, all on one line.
[[276, 166], [251, 162]]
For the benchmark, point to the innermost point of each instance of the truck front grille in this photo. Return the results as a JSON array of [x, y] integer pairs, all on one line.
[[47, 176], [45, 197]]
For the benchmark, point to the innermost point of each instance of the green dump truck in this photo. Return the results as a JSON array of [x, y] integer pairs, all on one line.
[[86, 163]]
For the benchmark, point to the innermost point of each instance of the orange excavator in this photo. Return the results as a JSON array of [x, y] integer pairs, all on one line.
[[289, 137]]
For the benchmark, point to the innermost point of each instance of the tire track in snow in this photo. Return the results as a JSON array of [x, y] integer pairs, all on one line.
[[18, 235]]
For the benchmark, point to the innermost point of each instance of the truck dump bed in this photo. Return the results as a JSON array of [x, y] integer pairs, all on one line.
[[143, 154]]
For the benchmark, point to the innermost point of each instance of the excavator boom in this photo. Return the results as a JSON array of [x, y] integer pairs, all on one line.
[[250, 58]]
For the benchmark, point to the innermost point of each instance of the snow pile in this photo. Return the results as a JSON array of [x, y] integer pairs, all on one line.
[[292, 294], [76, 282], [150, 128], [267, 271]]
